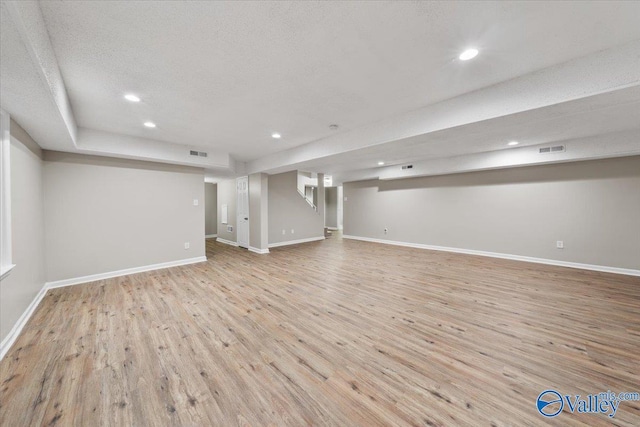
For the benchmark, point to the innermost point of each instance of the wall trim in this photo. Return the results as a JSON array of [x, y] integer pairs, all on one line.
[[602, 268], [210, 236], [295, 242], [125, 272], [11, 337], [258, 251], [226, 242]]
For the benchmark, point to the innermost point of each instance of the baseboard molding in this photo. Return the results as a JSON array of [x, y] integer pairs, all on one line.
[[8, 341], [226, 242], [332, 228], [602, 268], [125, 272], [258, 251], [295, 242], [210, 236]]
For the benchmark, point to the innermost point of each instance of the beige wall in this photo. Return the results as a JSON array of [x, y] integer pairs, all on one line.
[[210, 208], [288, 210], [593, 206], [20, 287], [227, 195], [105, 214]]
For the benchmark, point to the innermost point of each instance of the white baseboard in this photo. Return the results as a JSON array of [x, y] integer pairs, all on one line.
[[210, 236], [332, 228], [258, 251], [603, 268], [295, 242], [125, 272], [226, 242], [8, 341]]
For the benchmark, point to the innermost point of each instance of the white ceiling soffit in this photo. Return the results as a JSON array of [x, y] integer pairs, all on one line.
[[221, 77], [611, 70], [31, 85], [602, 114], [35, 95]]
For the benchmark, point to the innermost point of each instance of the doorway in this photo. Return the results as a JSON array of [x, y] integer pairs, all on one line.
[[242, 186]]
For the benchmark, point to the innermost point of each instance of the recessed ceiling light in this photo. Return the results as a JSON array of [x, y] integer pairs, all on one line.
[[276, 136], [468, 54], [150, 124], [512, 143], [131, 97], [380, 163]]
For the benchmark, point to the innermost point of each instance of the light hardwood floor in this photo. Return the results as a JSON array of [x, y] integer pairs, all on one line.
[[330, 333]]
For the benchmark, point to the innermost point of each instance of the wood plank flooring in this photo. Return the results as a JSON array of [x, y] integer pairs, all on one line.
[[338, 333]]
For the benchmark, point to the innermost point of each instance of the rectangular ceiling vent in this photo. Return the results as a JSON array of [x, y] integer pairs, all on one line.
[[554, 149], [198, 153], [407, 167]]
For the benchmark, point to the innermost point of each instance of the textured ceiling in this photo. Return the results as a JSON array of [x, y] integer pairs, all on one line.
[[221, 77], [228, 74]]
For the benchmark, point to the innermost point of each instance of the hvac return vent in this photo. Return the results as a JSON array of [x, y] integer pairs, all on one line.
[[554, 149], [198, 153]]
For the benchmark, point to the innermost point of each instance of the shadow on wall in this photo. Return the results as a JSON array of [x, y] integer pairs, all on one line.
[[576, 171]]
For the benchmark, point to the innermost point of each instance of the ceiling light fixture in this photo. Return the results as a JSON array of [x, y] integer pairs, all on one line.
[[512, 143], [276, 136], [468, 54], [131, 97], [150, 124], [380, 163]]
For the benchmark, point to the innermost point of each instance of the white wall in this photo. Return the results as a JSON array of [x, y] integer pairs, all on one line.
[[593, 206], [210, 208], [289, 210], [105, 214], [19, 288]]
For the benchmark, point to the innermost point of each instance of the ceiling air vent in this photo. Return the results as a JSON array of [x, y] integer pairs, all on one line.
[[407, 167], [198, 153], [554, 149]]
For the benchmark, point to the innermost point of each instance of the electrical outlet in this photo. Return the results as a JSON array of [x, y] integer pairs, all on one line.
[[560, 244], [293, 231], [186, 245], [195, 202], [230, 228], [284, 231], [386, 230]]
